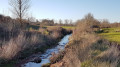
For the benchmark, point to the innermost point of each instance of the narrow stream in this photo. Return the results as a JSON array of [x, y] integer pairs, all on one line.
[[45, 57]]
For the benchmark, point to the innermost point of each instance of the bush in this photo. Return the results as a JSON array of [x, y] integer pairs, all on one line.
[[57, 57]]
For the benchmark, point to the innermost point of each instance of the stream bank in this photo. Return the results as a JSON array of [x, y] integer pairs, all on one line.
[[45, 56]]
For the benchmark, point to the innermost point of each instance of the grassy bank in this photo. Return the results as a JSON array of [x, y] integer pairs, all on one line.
[[17, 44], [112, 34], [65, 27], [87, 49]]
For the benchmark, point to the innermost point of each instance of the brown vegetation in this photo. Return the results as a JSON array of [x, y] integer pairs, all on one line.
[[87, 49], [57, 57], [17, 44]]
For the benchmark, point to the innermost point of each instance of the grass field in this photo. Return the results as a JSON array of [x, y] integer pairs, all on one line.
[[112, 34], [65, 27], [68, 27]]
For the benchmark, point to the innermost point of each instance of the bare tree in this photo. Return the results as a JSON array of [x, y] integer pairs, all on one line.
[[66, 22], [60, 22], [91, 21], [20, 8], [105, 23], [71, 22]]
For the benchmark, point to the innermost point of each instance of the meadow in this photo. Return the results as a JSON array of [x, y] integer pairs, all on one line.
[[112, 34], [65, 27]]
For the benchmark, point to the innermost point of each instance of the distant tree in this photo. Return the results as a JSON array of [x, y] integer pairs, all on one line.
[[105, 24], [60, 22], [66, 22], [91, 21], [88, 24], [32, 19], [47, 22], [20, 8], [52, 22], [115, 24], [37, 20], [71, 23]]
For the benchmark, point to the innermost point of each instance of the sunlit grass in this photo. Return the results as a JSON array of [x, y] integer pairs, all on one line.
[[65, 27], [68, 27], [112, 34]]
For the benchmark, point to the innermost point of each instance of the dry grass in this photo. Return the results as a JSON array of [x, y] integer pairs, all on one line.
[[57, 57], [18, 44], [78, 50], [110, 56], [15, 45], [57, 32], [87, 49]]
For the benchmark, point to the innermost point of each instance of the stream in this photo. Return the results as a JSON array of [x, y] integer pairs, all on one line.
[[45, 57]]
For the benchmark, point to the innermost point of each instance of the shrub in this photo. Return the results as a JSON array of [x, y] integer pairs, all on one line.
[[13, 47], [57, 57]]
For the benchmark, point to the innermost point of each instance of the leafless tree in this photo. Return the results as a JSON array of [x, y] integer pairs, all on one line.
[[66, 22], [60, 22], [105, 23], [71, 22], [91, 21], [19, 8]]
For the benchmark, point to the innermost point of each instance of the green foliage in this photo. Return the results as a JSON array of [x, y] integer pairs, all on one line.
[[87, 63], [100, 45], [46, 32], [30, 28], [8, 64], [34, 27], [41, 49]]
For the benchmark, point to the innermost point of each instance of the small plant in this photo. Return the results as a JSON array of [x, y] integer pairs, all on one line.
[[46, 65]]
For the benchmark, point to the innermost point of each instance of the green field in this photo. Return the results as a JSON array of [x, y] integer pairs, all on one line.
[[65, 27], [112, 34]]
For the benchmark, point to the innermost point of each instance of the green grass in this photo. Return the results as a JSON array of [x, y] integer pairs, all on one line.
[[96, 49], [33, 27], [112, 34], [65, 27], [68, 27], [46, 65]]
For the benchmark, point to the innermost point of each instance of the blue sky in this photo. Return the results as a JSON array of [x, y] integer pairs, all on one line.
[[70, 9]]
